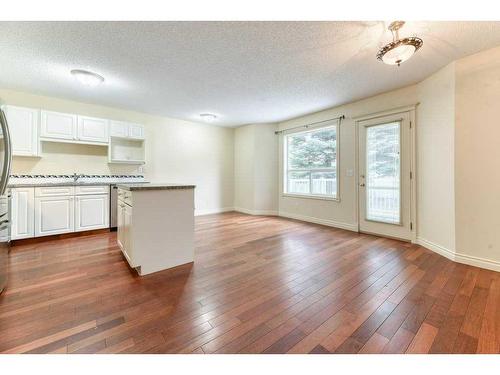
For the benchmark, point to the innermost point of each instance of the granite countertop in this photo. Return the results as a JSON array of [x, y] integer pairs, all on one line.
[[154, 186], [55, 184]]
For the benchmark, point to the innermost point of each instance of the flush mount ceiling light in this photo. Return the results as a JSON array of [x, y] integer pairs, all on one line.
[[87, 78], [399, 50], [208, 117]]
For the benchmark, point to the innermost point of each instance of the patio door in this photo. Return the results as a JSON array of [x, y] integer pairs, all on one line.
[[385, 176]]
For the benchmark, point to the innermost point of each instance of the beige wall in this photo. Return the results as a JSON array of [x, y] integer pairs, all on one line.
[[256, 169], [176, 151], [477, 157], [340, 213], [435, 160]]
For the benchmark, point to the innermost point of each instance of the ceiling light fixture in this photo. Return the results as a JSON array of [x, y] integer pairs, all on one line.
[[399, 50], [208, 117], [87, 78]]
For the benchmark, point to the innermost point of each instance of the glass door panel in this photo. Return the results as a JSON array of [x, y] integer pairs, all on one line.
[[383, 173]]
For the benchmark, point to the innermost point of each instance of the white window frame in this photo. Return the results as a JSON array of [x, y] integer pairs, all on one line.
[[285, 192]]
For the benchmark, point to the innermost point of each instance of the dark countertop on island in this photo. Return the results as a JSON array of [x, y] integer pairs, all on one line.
[[154, 186]]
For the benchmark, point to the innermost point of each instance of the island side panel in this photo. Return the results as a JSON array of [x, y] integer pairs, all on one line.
[[163, 228]]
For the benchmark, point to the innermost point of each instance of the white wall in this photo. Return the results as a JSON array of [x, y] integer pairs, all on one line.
[[435, 161], [341, 213], [256, 169], [176, 151], [200, 154], [244, 152], [266, 169], [477, 159]]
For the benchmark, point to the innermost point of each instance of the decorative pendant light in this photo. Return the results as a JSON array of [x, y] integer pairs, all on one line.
[[399, 50]]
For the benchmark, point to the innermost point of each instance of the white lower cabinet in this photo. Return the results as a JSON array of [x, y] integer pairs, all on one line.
[[91, 212], [23, 213], [44, 211], [124, 236], [54, 215]]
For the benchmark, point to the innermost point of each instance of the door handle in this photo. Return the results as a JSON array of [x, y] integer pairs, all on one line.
[[362, 185]]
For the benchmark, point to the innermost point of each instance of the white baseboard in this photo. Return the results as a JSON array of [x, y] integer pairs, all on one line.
[[441, 250], [478, 262], [213, 211], [315, 220], [460, 258], [256, 212]]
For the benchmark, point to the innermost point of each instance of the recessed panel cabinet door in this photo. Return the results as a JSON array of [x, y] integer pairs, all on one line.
[[128, 235], [58, 125], [91, 212], [120, 225], [93, 129], [136, 131], [118, 129], [124, 236], [54, 215], [23, 126], [23, 213]]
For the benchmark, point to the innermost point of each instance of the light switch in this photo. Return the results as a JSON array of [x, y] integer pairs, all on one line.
[[349, 172]]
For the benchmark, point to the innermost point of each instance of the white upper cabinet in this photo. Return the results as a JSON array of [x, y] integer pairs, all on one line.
[[31, 127], [122, 129], [136, 131], [58, 125], [118, 129], [23, 126], [93, 129], [65, 127]]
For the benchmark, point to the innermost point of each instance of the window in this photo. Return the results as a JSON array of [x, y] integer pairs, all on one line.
[[311, 163]]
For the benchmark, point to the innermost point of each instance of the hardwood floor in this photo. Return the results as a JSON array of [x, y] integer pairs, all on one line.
[[258, 285]]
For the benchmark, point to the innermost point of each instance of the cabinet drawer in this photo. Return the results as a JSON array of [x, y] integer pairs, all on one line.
[[84, 190], [54, 191]]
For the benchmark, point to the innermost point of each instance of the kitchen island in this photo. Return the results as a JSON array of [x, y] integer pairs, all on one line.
[[156, 225]]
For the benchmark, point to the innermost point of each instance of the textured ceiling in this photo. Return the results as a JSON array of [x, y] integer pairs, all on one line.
[[245, 72]]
